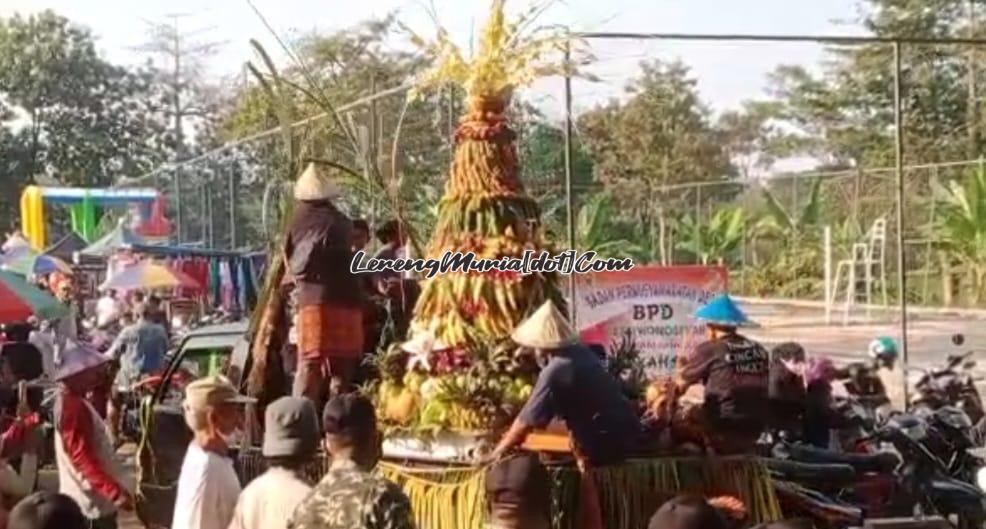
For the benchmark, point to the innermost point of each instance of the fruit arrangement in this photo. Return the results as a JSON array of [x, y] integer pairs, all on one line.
[[485, 212], [472, 391], [469, 379]]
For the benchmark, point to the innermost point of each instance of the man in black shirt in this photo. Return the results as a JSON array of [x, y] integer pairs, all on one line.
[[573, 386], [734, 371]]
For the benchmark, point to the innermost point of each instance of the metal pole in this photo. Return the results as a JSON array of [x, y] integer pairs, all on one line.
[[208, 202], [828, 275], [569, 199], [899, 169], [232, 207], [178, 215], [203, 232]]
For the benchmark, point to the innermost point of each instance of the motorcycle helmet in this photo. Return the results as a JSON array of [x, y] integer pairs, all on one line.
[[883, 347]]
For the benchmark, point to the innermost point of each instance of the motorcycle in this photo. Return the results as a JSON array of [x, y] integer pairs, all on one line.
[[131, 425], [955, 383], [924, 479]]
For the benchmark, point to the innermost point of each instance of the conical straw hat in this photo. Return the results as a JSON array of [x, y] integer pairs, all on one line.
[[547, 328], [723, 311], [76, 358], [314, 184]]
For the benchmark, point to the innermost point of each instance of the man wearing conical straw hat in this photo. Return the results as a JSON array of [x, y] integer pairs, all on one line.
[[573, 386], [734, 371], [88, 470], [329, 314]]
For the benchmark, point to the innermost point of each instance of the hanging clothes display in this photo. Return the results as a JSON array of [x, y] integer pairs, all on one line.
[[248, 287], [215, 287], [234, 281], [227, 280]]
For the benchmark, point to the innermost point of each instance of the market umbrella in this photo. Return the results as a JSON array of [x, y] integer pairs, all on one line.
[[32, 263], [22, 300], [66, 247], [148, 275]]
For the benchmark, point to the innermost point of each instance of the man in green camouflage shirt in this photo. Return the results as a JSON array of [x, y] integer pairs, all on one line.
[[351, 495]]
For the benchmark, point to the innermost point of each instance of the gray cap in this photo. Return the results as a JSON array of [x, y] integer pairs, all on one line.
[[290, 428]]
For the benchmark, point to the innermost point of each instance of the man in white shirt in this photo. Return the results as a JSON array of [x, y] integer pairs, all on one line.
[[290, 438], [208, 487], [107, 309]]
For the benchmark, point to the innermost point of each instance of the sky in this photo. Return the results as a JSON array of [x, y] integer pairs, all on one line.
[[727, 73]]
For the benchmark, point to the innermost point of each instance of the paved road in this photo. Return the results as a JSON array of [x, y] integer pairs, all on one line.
[[929, 337]]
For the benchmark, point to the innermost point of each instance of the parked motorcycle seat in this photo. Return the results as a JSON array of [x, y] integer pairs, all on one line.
[[879, 462], [828, 474]]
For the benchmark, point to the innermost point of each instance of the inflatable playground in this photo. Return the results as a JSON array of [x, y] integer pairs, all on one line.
[[88, 207]]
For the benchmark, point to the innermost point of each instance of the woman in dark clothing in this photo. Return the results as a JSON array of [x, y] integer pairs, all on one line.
[[820, 416], [786, 386]]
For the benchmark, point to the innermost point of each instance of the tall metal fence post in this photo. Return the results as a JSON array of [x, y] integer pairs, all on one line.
[[569, 198], [828, 275], [232, 206], [178, 215], [899, 169]]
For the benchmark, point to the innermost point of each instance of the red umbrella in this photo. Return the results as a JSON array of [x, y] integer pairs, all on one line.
[[21, 300]]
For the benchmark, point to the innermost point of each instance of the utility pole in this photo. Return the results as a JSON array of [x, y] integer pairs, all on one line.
[[181, 56], [972, 112]]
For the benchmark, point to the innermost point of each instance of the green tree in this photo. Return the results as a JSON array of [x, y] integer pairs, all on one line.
[[597, 229], [713, 241], [961, 228], [71, 115], [845, 115], [791, 227], [659, 136], [396, 145]]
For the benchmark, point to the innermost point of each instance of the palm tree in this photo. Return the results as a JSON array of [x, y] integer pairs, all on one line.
[[715, 240], [961, 226]]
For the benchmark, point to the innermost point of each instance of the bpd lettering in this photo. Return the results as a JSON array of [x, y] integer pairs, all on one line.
[[654, 310]]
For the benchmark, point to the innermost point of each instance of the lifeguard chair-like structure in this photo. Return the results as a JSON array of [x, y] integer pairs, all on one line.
[[859, 275]]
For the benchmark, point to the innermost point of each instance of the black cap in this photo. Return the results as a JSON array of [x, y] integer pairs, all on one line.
[[349, 414], [46, 510]]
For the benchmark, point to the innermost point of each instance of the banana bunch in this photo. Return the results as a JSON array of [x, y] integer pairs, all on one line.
[[465, 418], [453, 329]]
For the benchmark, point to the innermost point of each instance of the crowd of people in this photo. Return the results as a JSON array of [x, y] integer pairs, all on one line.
[[747, 391], [93, 489]]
